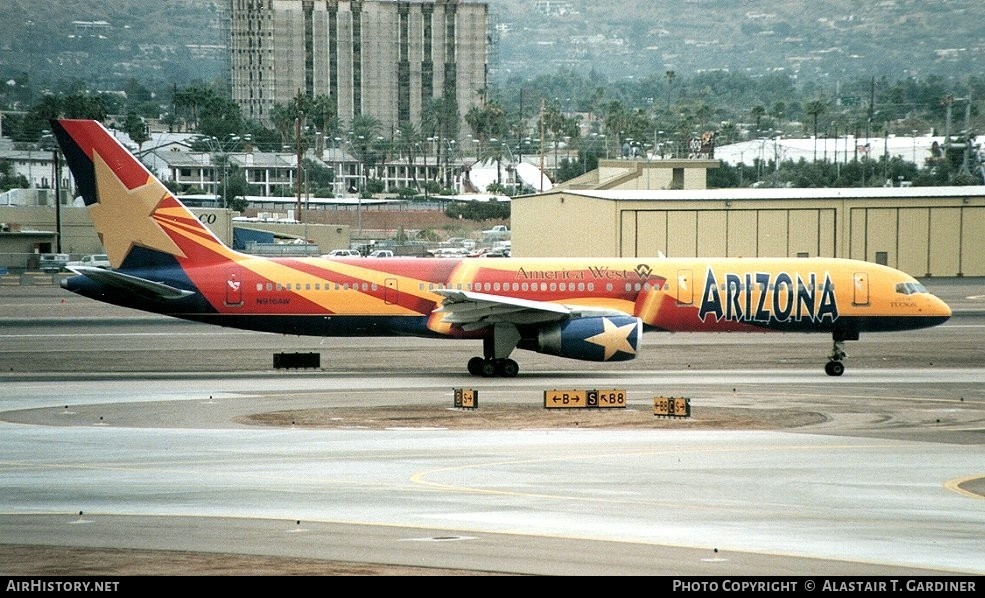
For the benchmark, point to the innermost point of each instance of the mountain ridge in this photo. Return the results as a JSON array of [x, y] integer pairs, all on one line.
[[176, 42]]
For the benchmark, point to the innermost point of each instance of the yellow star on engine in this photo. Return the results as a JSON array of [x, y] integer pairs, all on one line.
[[614, 338], [125, 217]]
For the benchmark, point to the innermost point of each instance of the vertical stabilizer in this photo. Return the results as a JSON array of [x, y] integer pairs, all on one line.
[[128, 205]]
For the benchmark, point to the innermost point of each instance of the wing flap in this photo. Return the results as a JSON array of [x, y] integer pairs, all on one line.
[[478, 310]]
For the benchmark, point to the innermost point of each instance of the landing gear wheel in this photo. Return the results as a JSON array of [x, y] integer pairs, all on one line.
[[507, 368], [475, 366], [835, 367], [488, 369]]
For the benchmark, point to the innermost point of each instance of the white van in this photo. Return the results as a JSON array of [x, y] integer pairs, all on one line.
[[52, 262]]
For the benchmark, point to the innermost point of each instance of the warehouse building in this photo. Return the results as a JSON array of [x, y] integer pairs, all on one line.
[[924, 231]]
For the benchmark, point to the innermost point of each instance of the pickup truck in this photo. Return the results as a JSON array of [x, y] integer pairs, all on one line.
[[497, 231], [97, 260]]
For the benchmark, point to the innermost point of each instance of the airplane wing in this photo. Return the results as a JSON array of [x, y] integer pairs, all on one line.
[[479, 310], [133, 284]]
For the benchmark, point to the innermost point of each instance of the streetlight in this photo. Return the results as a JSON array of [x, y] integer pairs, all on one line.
[[913, 135], [48, 142], [449, 158]]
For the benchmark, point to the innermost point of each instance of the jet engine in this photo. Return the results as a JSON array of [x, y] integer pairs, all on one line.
[[604, 338]]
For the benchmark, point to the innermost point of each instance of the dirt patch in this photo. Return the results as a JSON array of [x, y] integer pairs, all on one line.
[[529, 417], [20, 560]]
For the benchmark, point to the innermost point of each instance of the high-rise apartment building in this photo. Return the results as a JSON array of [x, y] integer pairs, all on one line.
[[385, 59]]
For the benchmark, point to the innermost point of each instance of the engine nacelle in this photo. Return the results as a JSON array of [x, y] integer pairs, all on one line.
[[615, 338]]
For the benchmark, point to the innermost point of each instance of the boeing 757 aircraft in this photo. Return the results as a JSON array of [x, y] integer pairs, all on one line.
[[164, 260]]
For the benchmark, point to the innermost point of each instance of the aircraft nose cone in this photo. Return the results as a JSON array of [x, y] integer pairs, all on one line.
[[939, 310]]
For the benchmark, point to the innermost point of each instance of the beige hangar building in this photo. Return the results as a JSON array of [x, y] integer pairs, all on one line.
[[924, 231]]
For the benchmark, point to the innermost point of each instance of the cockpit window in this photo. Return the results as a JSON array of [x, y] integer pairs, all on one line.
[[910, 288]]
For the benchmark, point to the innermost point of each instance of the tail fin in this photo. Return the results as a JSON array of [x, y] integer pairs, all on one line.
[[129, 206]]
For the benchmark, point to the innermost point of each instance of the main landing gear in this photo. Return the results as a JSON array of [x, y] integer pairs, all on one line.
[[835, 367], [490, 367], [496, 349]]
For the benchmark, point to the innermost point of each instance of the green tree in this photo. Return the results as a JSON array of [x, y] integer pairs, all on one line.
[[80, 105], [9, 179], [136, 128], [220, 117], [362, 139], [234, 189], [479, 210], [187, 102], [758, 112], [487, 122]]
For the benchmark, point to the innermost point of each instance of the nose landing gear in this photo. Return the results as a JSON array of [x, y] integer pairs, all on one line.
[[835, 367]]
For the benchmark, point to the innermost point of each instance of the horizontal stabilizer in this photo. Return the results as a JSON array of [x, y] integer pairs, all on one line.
[[134, 284]]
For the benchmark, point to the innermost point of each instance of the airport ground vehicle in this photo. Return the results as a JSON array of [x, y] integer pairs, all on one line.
[[53, 262]]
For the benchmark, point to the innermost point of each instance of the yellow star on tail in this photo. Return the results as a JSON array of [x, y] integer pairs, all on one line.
[[125, 217], [614, 338]]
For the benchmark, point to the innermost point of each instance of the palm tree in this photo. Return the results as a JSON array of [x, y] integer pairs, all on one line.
[[758, 112], [495, 150], [816, 108], [671, 75], [323, 116], [282, 118], [191, 99], [363, 134], [409, 137]]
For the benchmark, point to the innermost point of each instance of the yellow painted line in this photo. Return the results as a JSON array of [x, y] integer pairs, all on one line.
[[955, 486]]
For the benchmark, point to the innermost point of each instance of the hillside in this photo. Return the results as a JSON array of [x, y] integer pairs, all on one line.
[[825, 39], [166, 42], [105, 42]]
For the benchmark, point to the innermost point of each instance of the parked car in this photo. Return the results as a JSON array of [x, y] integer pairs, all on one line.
[[97, 260], [381, 253], [449, 252], [342, 253], [468, 244], [500, 232], [53, 262], [497, 252]]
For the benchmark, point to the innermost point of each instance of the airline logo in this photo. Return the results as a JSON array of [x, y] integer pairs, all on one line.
[[767, 297]]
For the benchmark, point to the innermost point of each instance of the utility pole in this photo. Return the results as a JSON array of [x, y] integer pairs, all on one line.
[[541, 190], [967, 137], [58, 201], [948, 101], [298, 148], [520, 129]]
